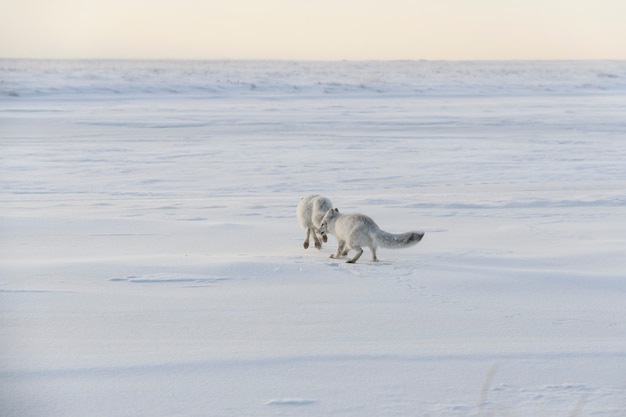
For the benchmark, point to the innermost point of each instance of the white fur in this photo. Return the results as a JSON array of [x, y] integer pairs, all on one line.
[[354, 231], [311, 210]]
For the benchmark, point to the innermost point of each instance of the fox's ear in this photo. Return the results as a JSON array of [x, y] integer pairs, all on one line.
[[336, 210]]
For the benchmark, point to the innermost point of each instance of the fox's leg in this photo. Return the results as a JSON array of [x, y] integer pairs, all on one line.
[[374, 258], [359, 252], [316, 239], [340, 250], [306, 238]]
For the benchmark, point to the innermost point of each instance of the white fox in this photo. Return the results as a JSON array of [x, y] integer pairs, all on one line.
[[353, 231], [311, 210]]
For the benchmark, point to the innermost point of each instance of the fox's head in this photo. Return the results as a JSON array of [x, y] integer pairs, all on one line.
[[328, 217]]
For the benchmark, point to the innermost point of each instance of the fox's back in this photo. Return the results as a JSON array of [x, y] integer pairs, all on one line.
[[311, 209], [356, 223]]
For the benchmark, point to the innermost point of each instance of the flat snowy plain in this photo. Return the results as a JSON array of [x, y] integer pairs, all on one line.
[[151, 263]]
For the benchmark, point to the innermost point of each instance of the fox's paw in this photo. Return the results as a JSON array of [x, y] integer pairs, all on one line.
[[325, 238], [306, 244], [318, 244]]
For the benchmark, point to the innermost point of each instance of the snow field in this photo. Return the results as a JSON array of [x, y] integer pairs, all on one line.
[[151, 262]]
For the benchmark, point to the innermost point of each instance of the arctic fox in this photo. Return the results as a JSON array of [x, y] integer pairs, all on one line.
[[353, 231], [310, 212]]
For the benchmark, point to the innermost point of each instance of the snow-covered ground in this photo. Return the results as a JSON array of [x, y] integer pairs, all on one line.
[[151, 263]]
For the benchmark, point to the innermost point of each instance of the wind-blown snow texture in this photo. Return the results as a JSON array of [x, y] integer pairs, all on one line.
[[152, 265]]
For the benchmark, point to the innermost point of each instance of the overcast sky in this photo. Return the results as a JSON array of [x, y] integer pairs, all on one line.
[[314, 29]]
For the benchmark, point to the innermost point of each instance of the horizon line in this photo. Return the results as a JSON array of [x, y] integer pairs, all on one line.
[[316, 60]]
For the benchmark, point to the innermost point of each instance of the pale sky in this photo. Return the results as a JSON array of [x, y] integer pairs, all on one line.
[[313, 29]]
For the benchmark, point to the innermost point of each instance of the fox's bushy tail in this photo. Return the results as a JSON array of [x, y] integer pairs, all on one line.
[[397, 241]]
